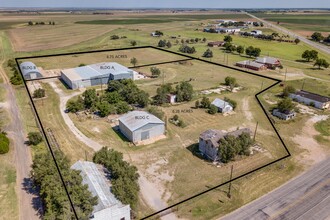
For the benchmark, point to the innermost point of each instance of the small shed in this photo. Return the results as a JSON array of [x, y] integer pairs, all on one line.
[[140, 125], [286, 115], [171, 98], [222, 105], [30, 70]]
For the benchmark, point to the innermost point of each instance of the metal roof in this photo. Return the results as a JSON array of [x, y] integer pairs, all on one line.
[[110, 67], [268, 60], [28, 67], [137, 119], [251, 63], [97, 185], [313, 96], [220, 103], [95, 70]]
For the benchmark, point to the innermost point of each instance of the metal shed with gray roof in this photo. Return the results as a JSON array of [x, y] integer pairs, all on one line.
[[140, 125], [222, 105], [108, 206], [30, 70], [95, 74]]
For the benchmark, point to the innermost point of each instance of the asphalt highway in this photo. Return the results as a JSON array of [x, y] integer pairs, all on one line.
[[307, 197]]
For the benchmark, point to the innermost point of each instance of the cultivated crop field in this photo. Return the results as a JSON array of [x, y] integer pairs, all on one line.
[[305, 24]]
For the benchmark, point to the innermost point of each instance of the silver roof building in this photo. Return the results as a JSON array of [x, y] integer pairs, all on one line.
[[140, 125], [108, 206], [30, 70]]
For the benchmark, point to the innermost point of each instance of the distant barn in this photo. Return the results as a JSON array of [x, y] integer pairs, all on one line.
[[30, 70]]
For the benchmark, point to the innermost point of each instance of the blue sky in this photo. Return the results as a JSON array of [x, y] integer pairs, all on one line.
[[169, 3]]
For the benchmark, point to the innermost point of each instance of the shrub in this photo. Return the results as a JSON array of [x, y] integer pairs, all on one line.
[[213, 109], [34, 138], [39, 93], [4, 143]]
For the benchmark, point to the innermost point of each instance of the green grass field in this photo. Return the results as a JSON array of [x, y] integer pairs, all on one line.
[[125, 21], [323, 127]]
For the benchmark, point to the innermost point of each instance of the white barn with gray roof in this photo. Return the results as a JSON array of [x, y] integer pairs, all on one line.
[[222, 105], [140, 125], [95, 74], [108, 206]]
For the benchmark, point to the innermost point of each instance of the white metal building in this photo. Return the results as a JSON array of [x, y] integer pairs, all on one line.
[[140, 125], [95, 74], [222, 105], [108, 206], [308, 98], [30, 70]]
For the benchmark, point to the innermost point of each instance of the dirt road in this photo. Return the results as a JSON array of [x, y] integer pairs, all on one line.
[[64, 98], [23, 160]]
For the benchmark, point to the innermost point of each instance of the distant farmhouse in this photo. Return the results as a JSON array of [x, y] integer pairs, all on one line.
[[256, 32], [30, 70], [225, 21], [232, 30], [216, 44], [251, 65], [108, 206], [286, 115], [270, 62], [209, 141], [140, 126], [228, 30], [153, 34], [308, 98], [222, 105], [260, 63], [95, 74]]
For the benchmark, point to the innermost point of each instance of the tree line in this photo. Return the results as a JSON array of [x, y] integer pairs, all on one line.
[[16, 78], [123, 176], [30, 23]]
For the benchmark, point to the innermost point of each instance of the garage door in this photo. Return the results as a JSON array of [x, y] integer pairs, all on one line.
[[144, 135]]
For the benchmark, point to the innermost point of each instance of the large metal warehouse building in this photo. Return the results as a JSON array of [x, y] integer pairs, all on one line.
[[95, 74], [30, 70], [108, 206], [139, 125]]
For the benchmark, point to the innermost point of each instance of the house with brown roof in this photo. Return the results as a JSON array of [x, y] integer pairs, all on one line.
[[209, 141], [312, 99], [251, 65]]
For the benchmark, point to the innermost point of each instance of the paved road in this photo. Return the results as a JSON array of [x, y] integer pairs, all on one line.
[[306, 197], [294, 35], [26, 196]]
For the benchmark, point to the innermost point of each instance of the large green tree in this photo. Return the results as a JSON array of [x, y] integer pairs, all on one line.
[[321, 63], [184, 92]]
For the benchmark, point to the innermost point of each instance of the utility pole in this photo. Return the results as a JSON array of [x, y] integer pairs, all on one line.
[[262, 84], [231, 176], [255, 132], [303, 85]]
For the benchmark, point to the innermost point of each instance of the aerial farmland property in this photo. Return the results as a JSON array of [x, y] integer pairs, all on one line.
[[181, 114]]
